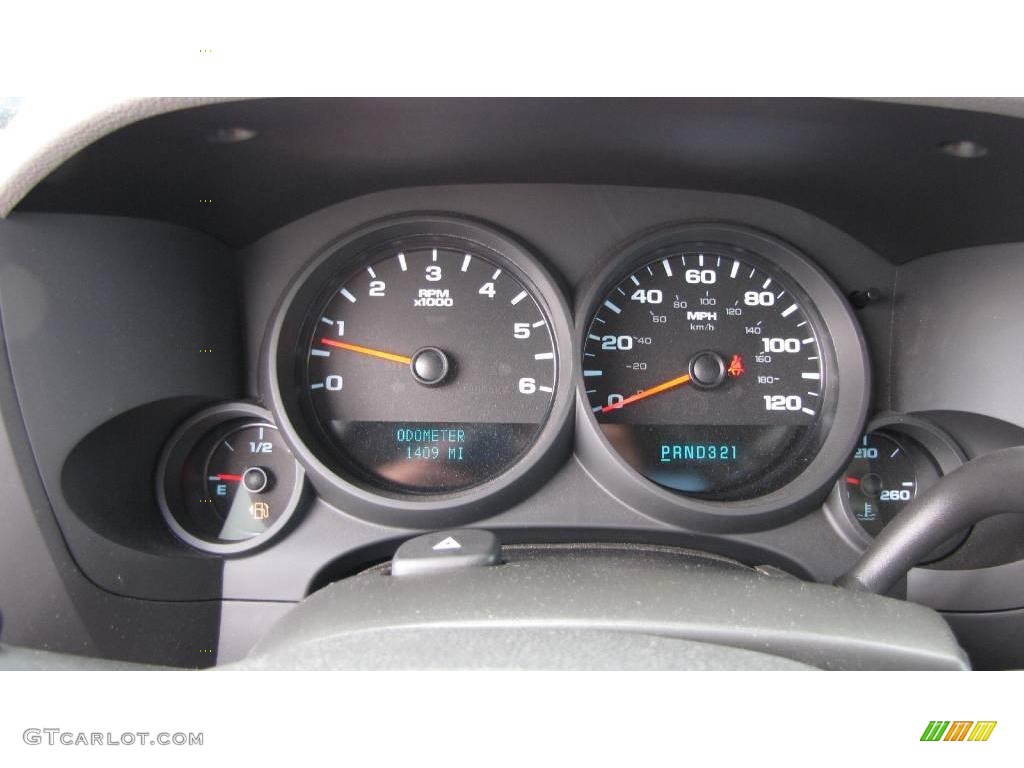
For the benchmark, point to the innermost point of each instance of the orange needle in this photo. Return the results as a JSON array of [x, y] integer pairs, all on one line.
[[670, 384], [367, 351]]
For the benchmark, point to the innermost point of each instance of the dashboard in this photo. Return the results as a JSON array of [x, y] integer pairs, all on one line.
[[225, 394]]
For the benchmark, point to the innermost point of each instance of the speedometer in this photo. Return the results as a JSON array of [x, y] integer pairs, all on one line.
[[711, 371], [705, 369]]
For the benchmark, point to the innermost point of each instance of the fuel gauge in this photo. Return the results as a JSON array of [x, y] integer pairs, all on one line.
[[244, 480], [227, 481]]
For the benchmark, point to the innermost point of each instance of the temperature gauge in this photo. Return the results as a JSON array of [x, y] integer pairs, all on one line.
[[898, 457], [880, 481], [227, 480]]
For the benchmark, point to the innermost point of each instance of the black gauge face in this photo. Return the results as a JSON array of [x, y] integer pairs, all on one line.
[[248, 481], [880, 481], [429, 369], [708, 372], [227, 481]]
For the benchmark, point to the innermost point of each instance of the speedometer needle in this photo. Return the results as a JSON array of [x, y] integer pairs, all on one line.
[[367, 351], [665, 385], [734, 369]]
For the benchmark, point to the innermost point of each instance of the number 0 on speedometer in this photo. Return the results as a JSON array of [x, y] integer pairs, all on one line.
[[707, 370]]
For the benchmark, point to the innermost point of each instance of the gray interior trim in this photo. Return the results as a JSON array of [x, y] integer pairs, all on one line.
[[993, 105], [39, 140], [642, 594], [18, 659], [515, 648]]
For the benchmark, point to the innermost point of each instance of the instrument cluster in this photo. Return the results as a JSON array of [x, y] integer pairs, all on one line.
[[429, 370]]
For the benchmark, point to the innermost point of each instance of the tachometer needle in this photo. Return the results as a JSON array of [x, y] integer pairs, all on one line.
[[367, 351], [665, 385]]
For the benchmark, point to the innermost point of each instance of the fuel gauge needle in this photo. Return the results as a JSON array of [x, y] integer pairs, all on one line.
[[367, 351]]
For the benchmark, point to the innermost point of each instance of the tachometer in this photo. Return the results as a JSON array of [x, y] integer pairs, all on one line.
[[710, 369], [430, 369], [423, 361]]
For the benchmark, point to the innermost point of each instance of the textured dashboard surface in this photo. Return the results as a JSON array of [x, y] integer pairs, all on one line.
[[873, 169]]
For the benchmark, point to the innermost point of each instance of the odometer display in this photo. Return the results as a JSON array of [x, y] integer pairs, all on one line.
[[705, 369]]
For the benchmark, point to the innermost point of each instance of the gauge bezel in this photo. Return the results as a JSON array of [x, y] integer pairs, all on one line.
[[284, 340], [177, 449], [847, 367]]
